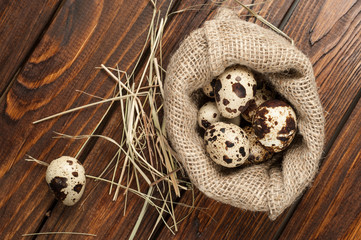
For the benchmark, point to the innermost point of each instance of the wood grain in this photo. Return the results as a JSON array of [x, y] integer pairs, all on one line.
[[80, 39], [85, 34], [335, 56], [330, 13], [215, 220], [184, 23], [97, 213], [21, 25], [331, 209], [110, 222], [338, 79]]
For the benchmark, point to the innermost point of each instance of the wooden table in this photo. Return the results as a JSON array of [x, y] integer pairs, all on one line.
[[49, 49]]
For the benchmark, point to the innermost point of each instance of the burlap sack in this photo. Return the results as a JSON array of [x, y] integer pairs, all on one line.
[[226, 40]]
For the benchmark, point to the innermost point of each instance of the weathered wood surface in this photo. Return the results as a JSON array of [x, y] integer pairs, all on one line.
[[21, 26], [113, 225], [171, 40], [81, 37], [83, 34], [330, 210]]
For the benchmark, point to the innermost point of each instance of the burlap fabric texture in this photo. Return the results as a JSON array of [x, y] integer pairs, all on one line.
[[204, 54]]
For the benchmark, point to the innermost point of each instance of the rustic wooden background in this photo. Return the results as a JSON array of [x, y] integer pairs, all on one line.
[[50, 48]]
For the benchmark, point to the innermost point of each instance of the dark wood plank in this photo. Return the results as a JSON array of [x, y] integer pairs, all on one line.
[[80, 39], [325, 54], [327, 47], [21, 25], [112, 224], [113, 218], [331, 209], [72, 126], [215, 220], [335, 37], [96, 213], [354, 230]]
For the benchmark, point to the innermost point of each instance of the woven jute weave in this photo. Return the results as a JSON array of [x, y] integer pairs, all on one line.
[[204, 54]]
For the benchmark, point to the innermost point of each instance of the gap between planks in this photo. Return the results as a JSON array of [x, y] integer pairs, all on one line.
[[31, 51], [146, 53], [107, 118], [333, 139]]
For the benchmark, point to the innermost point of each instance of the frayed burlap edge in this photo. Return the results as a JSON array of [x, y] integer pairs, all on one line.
[[204, 54]]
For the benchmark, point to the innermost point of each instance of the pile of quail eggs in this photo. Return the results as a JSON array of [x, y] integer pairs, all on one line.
[[237, 95]]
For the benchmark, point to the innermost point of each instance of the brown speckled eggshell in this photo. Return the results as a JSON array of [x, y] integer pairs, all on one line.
[[234, 89], [209, 88], [262, 95], [257, 153], [66, 178], [275, 125], [227, 144], [208, 114]]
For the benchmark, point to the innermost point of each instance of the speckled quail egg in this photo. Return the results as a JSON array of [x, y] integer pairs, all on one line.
[[227, 144], [262, 95], [208, 114], [233, 90], [66, 178], [257, 153], [209, 88], [275, 125]]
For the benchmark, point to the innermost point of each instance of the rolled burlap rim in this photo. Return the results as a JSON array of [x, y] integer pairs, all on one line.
[[204, 54]]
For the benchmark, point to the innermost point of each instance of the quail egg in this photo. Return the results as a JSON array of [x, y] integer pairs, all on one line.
[[275, 125], [262, 95], [208, 114], [257, 153], [233, 90], [66, 178], [227, 144], [208, 89]]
